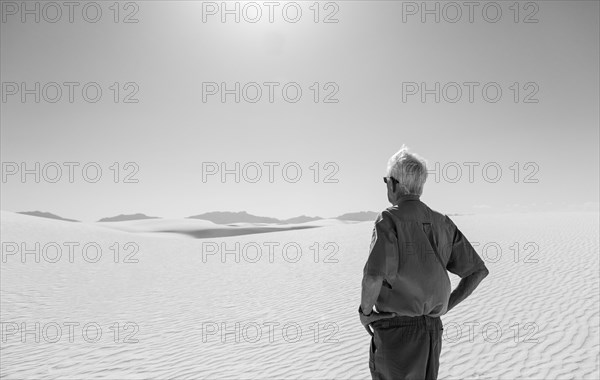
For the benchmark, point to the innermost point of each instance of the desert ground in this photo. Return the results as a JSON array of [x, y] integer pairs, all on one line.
[[127, 301]]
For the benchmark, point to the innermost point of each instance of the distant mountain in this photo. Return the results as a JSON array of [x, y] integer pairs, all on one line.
[[301, 219], [222, 217], [361, 216], [123, 217], [226, 217], [48, 215]]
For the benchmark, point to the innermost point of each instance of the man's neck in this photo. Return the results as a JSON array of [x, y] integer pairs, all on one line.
[[406, 197]]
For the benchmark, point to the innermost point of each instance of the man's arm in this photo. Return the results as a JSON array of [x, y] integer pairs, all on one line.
[[371, 286], [383, 243], [466, 286], [465, 263]]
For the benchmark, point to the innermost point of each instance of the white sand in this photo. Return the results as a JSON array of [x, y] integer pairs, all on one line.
[[198, 228], [171, 292]]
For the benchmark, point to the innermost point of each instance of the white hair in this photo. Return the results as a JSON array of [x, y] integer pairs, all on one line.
[[409, 170]]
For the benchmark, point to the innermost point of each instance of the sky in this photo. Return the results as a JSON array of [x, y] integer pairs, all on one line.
[[517, 103]]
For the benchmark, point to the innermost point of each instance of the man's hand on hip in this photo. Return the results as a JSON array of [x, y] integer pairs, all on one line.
[[366, 320]]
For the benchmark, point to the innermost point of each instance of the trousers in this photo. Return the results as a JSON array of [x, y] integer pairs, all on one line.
[[406, 348]]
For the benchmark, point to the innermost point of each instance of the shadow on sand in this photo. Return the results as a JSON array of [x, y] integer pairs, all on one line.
[[224, 232]]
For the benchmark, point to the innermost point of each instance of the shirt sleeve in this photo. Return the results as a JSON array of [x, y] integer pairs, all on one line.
[[464, 260], [384, 243]]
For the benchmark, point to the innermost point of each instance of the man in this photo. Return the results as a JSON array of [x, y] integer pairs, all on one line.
[[405, 286]]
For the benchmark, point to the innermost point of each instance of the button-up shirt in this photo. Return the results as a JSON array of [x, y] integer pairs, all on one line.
[[415, 279]]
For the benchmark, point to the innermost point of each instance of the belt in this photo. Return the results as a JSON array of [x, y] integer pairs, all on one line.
[[421, 320]]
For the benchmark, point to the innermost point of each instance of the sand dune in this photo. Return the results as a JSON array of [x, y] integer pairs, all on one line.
[[199, 229], [180, 291]]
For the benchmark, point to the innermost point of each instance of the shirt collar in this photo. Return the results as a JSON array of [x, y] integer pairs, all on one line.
[[408, 197]]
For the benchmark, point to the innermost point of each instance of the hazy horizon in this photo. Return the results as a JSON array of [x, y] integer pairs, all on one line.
[[591, 207]]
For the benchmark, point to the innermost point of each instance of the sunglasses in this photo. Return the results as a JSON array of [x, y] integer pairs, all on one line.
[[385, 179]]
